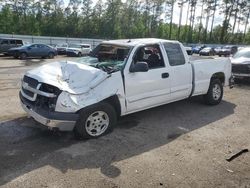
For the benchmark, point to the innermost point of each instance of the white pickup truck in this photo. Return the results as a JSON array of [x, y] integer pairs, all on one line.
[[119, 77]]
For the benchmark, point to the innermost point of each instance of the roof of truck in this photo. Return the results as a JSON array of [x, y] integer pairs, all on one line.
[[134, 42]]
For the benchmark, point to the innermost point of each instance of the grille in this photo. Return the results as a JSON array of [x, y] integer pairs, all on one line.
[[240, 69], [32, 83], [27, 92]]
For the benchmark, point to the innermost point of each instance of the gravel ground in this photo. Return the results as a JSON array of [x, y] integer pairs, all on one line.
[[183, 144]]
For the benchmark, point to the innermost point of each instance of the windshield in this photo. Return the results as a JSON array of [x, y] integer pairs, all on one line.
[[108, 57], [242, 53]]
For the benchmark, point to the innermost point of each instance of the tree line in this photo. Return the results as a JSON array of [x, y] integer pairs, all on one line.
[[112, 19]]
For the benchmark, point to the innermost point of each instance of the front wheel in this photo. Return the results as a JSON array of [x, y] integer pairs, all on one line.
[[51, 55], [215, 92], [23, 55], [95, 121]]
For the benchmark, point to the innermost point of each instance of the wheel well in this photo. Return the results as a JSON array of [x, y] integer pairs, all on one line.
[[114, 101], [220, 76]]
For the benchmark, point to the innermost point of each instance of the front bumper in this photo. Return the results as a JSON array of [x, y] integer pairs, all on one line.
[[53, 120]]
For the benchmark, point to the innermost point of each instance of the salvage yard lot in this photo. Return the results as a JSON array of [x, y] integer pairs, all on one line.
[[183, 144]]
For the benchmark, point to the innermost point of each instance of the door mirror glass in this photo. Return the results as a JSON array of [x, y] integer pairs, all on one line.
[[139, 67]]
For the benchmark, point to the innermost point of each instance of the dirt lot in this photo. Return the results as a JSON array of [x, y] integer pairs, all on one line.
[[183, 144]]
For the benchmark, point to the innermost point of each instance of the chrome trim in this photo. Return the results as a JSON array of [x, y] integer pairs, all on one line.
[[35, 91], [241, 74], [27, 87]]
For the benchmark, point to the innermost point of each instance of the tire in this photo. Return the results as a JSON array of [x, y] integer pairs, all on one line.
[[23, 55], [79, 54], [215, 92], [95, 121], [51, 55], [16, 55], [219, 55]]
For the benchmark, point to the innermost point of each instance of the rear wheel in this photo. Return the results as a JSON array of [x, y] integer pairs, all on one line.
[[79, 54], [23, 55], [215, 92], [95, 121]]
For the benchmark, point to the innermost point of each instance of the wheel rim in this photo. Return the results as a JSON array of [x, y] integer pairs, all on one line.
[[97, 123], [50, 55], [216, 92]]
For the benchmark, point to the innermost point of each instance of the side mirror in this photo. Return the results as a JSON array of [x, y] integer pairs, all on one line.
[[139, 67]]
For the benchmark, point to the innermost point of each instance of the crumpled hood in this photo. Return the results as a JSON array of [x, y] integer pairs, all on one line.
[[69, 76]]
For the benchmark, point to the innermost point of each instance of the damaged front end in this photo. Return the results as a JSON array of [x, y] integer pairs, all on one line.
[[39, 101]]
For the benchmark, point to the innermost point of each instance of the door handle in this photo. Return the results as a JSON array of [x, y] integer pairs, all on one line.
[[165, 75]]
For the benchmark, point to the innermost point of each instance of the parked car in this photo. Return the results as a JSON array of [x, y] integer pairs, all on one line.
[[217, 50], [197, 49], [208, 51], [61, 49], [33, 50], [189, 50], [78, 49], [228, 50], [241, 63], [7, 43], [116, 79]]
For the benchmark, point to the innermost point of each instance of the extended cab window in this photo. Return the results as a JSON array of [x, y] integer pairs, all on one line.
[[151, 55], [175, 54]]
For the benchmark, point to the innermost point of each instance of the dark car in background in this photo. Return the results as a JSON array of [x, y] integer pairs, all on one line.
[[197, 49], [7, 43], [217, 49], [33, 50], [208, 51], [241, 63], [227, 51], [61, 48]]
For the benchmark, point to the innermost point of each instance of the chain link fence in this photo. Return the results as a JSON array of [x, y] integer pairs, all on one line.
[[53, 40]]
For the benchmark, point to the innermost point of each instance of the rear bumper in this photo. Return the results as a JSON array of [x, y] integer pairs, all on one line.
[[57, 120]]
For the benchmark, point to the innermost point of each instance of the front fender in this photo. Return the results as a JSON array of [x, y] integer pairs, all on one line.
[[113, 85]]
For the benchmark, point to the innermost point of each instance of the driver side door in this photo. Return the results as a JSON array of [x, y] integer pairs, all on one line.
[[147, 89]]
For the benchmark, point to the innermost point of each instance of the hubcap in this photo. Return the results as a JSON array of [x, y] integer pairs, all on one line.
[[97, 123], [216, 92]]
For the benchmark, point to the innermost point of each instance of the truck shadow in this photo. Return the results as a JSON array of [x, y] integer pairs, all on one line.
[[25, 147]]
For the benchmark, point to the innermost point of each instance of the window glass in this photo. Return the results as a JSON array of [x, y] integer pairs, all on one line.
[[12, 42], [175, 54], [19, 42], [85, 46], [5, 42], [151, 55]]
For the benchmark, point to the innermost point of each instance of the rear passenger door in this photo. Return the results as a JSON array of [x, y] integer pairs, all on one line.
[[180, 71]]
